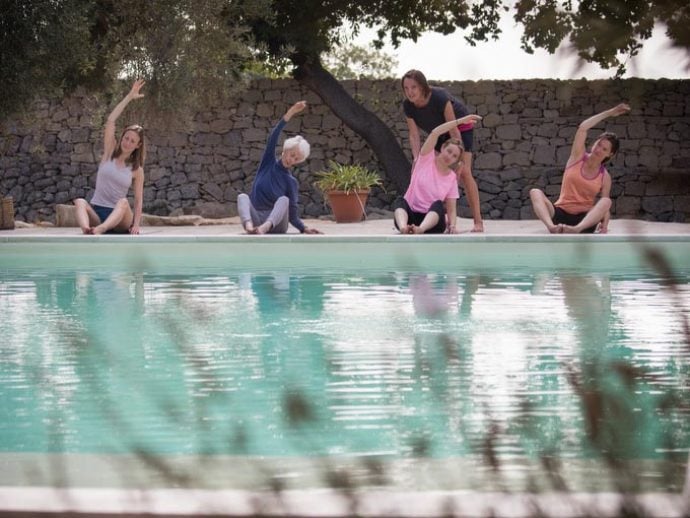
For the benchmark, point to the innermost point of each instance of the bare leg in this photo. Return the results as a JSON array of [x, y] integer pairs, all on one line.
[[544, 210], [400, 216], [594, 216], [429, 222], [120, 218], [86, 216], [472, 192]]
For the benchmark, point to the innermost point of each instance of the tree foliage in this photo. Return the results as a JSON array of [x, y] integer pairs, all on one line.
[[43, 47], [350, 61], [606, 32], [188, 50]]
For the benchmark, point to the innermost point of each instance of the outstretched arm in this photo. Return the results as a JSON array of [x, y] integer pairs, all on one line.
[[578, 148], [431, 140], [109, 140]]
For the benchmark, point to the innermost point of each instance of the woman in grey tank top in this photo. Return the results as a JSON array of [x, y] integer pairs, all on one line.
[[122, 164]]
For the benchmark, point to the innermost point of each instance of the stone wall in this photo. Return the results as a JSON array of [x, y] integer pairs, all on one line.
[[50, 156]]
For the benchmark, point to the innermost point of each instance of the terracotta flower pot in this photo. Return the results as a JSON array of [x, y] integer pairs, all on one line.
[[348, 207]]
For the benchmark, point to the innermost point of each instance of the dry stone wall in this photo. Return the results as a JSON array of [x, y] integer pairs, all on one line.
[[50, 155]]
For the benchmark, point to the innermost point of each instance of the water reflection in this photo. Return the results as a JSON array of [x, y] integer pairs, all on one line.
[[497, 366]]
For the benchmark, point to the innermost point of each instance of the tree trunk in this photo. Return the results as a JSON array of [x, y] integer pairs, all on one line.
[[363, 122]]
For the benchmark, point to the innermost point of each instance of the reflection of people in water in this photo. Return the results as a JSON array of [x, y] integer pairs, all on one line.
[[431, 300], [588, 302]]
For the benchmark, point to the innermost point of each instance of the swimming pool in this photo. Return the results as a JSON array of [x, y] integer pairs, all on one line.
[[347, 364]]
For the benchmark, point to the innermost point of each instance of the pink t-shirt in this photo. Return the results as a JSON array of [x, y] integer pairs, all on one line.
[[428, 185]]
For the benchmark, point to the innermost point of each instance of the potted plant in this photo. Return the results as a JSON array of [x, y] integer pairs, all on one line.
[[347, 189]]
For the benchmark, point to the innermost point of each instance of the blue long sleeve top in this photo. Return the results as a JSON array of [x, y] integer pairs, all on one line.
[[274, 180]]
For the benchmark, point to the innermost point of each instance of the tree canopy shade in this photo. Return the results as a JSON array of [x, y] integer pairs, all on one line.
[[606, 32], [188, 50], [197, 50]]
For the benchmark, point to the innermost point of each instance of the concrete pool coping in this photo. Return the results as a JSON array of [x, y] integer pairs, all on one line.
[[618, 228], [366, 246]]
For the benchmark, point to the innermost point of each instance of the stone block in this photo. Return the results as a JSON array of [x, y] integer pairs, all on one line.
[[491, 120], [490, 161], [637, 130], [634, 188], [516, 158], [509, 132], [657, 205], [543, 155]]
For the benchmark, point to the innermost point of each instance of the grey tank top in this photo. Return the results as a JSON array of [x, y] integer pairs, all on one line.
[[112, 184]]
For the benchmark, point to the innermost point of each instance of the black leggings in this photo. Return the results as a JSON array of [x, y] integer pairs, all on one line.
[[416, 218]]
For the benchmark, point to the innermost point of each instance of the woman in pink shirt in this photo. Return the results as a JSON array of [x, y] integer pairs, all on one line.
[[577, 209], [433, 189]]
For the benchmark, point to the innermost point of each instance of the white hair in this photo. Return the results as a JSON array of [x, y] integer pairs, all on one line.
[[299, 142]]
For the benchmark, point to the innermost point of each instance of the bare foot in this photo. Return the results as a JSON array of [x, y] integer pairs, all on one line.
[[416, 230], [98, 230], [264, 228], [87, 230], [567, 229], [249, 228], [478, 227], [556, 229], [405, 229]]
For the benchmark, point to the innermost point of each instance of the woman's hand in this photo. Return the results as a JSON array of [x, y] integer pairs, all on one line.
[[467, 119], [295, 109], [453, 230], [308, 230], [135, 93], [619, 110], [134, 229]]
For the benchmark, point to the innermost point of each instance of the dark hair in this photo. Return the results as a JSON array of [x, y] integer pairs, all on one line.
[[136, 159], [615, 143], [417, 76]]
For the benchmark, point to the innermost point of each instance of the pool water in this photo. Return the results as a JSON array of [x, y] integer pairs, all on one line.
[[510, 371]]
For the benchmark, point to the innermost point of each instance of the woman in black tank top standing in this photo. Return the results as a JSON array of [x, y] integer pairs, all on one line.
[[427, 107]]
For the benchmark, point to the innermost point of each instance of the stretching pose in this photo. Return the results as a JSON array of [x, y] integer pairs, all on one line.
[[426, 107], [584, 178], [273, 200], [122, 164], [433, 189]]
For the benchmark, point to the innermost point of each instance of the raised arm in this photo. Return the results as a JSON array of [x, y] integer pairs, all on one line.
[[294, 110], [578, 148], [109, 139], [431, 140]]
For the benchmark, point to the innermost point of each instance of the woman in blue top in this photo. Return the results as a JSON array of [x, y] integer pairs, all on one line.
[[122, 164], [427, 107], [273, 200]]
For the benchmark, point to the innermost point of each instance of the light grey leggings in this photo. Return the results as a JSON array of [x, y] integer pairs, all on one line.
[[278, 215]]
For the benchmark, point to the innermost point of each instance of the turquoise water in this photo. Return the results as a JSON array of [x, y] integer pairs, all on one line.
[[493, 366]]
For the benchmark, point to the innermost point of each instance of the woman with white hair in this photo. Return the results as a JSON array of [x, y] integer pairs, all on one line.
[[273, 200]]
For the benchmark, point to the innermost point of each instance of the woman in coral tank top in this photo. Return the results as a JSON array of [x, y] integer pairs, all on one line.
[[577, 208]]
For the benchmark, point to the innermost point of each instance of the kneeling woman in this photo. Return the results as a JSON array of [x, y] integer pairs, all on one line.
[[122, 164], [433, 189], [577, 209]]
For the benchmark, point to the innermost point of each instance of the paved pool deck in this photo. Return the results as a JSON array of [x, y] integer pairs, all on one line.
[[372, 227]]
